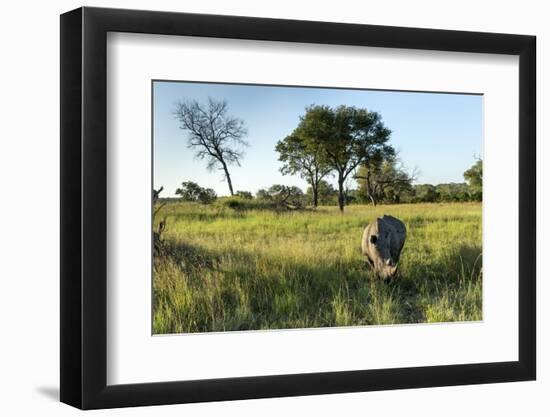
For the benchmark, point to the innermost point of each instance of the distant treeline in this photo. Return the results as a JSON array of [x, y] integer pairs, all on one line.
[[390, 188]]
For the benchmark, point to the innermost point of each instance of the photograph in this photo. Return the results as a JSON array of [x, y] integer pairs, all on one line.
[[296, 207], [307, 207]]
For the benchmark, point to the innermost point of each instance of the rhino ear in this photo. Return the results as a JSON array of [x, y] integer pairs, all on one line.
[[373, 239]]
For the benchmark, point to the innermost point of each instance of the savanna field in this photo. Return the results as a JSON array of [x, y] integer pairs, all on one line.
[[225, 269]]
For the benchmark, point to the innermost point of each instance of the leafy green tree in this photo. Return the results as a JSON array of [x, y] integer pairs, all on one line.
[[207, 196], [453, 192], [425, 193], [217, 136], [191, 191], [347, 137], [302, 155], [474, 177]]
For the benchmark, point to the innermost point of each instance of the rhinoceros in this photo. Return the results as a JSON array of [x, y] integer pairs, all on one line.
[[382, 242]]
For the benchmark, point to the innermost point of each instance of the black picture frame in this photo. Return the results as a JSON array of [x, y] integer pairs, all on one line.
[[84, 207]]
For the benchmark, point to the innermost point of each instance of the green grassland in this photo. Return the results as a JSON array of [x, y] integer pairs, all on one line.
[[225, 269]]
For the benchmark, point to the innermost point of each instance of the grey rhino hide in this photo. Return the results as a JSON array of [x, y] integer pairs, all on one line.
[[382, 242]]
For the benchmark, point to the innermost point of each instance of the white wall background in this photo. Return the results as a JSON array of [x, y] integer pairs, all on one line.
[[29, 240]]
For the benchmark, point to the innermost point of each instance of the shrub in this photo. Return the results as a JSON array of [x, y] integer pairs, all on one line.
[[235, 203], [246, 195], [239, 203]]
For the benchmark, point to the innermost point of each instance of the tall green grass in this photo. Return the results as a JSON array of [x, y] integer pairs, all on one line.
[[226, 269]]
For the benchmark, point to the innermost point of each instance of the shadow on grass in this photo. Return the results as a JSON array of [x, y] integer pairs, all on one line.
[[237, 289]]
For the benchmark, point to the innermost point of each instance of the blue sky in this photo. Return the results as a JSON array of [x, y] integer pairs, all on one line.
[[439, 134]]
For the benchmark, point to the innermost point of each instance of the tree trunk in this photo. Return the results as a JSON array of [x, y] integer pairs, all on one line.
[[227, 176], [341, 197], [372, 200], [315, 191], [369, 189]]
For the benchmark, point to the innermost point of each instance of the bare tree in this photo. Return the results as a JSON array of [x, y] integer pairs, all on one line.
[[156, 197], [217, 136], [158, 243], [384, 178]]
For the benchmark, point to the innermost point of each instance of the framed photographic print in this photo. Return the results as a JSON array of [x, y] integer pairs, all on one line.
[[256, 207]]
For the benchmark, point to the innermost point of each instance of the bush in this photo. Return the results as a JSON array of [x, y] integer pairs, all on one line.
[[239, 203], [235, 202], [246, 195]]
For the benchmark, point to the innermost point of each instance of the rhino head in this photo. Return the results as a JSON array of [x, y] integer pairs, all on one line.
[[382, 242]]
